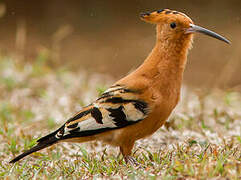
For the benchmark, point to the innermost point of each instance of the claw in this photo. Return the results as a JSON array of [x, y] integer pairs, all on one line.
[[133, 162]]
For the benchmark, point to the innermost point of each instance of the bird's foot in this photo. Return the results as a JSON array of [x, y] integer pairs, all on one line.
[[132, 161]]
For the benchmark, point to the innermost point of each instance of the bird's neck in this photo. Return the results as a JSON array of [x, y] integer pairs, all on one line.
[[166, 63]]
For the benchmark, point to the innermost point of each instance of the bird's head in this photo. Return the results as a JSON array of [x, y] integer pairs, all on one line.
[[174, 26]]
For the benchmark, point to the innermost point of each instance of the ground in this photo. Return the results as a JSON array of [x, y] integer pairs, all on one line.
[[202, 139]]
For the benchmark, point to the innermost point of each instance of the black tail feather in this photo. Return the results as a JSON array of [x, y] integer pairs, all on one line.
[[42, 143], [49, 136]]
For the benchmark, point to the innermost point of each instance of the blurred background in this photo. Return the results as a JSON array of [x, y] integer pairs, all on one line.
[[108, 37], [57, 56]]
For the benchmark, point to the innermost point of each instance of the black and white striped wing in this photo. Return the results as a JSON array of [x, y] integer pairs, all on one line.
[[118, 107]]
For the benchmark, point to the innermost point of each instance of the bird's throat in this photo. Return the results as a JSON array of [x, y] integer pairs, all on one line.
[[166, 63]]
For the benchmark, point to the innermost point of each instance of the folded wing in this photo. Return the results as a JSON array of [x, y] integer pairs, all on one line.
[[118, 107]]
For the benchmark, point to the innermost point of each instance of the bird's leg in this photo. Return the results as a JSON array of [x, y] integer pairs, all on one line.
[[126, 152]]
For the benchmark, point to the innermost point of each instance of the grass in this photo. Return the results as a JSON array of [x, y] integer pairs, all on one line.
[[202, 139]]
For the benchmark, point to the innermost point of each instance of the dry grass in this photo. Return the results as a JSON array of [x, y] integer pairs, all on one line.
[[202, 139]]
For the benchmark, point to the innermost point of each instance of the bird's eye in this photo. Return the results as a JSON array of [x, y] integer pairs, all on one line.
[[173, 25]]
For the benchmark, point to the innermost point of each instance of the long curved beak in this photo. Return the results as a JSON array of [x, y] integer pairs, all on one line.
[[194, 28]]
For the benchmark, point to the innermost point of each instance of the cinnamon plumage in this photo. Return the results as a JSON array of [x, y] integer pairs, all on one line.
[[138, 104]]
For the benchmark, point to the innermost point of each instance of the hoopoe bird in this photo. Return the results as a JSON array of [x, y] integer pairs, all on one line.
[[138, 104]]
